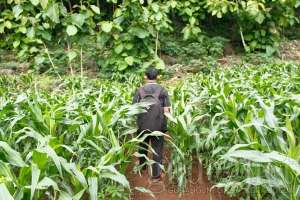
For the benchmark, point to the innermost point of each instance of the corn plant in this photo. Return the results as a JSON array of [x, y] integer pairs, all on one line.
[[251, 139], [71, 143], [242, 124]]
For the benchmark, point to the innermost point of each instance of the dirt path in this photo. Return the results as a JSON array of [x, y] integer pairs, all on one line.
[[198, 188]]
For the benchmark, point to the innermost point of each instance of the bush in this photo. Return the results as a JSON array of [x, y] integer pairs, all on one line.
[[127, 35]]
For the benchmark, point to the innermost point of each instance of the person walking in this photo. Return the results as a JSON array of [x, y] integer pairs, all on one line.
[[152, 120]]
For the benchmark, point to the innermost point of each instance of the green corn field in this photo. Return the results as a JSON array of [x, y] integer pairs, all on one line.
[[75, 138], [243, 125], [75, 117]]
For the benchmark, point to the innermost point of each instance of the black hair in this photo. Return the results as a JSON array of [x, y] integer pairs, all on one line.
[[151, 73]]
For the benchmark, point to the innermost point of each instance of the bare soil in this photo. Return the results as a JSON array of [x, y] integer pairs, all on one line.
[[198, 187], [290, 51]]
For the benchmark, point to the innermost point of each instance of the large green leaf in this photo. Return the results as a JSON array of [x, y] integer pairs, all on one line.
[[253, 155], [72, 169], [53, 12], [260, 18], [95, 9], [12, 156], [17, 10], [71, 30], [144, 190], [93, 188], [110, 172], [140, 32], [52, 154], [35, 174], [34, 2], [44, 3], [129, 60], [256, 181], [118, 49], [6, 171], [78, 19], [106, 26], [79, 195], [47, 182], [64, 196], [257, 156], [5, 195], [293, 164], [16, 43], [40, 159], [71, 55]]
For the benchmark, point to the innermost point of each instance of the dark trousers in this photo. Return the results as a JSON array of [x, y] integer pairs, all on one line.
[[157, 143]]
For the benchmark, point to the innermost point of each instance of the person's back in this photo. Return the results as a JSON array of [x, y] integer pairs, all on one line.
[[153, 119]]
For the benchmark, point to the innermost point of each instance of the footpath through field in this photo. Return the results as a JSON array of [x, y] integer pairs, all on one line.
[[198, 187]]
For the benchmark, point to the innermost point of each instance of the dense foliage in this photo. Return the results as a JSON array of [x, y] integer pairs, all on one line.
[[75, 138], [127, 34], [72, 143], [244, 125]]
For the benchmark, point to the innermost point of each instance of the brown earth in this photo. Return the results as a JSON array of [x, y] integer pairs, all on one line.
[[290, 50], [198, 187]]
